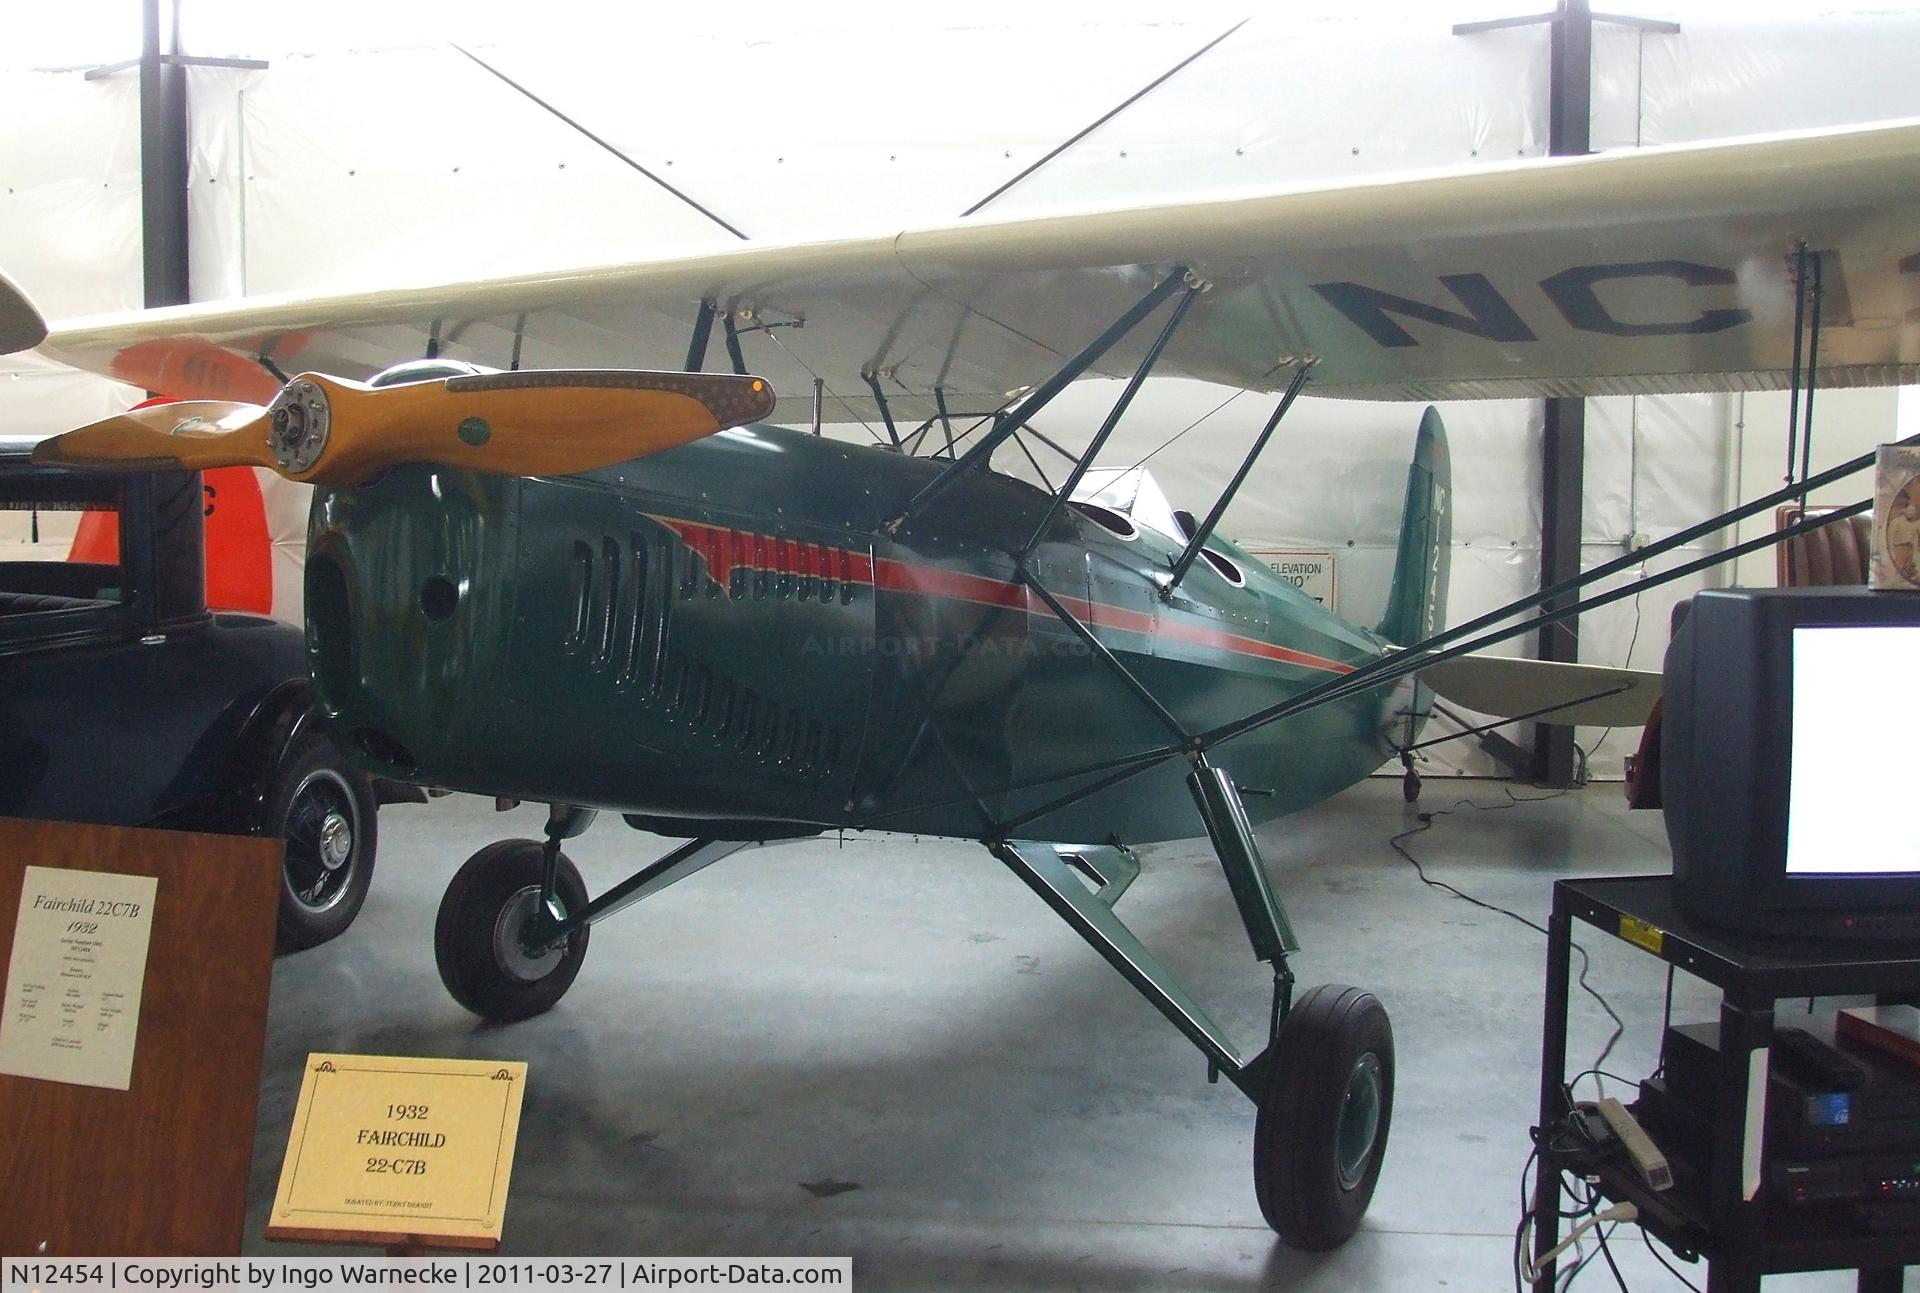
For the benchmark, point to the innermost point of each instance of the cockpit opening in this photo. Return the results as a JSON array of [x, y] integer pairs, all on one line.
[[1133, 494]]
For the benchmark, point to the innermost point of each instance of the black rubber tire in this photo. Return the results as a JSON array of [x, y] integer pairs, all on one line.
[[1410, 786], [318, 902], [465, 934], [1331, 1035]]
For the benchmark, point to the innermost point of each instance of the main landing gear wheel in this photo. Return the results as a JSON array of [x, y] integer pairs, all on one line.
[[476, 937], [1322, 1128]]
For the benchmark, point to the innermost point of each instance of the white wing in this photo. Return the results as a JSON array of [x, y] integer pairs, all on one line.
[[1644, 271]]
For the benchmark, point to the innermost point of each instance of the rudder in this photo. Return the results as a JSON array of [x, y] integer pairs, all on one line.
[[1417, 602]]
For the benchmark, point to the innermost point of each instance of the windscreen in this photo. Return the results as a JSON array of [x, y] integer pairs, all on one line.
[[1851, 803]]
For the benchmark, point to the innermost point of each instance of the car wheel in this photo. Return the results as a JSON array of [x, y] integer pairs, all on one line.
[[326, 812]]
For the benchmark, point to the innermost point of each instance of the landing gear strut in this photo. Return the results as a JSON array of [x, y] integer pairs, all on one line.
[[480, 939], [1324, 1084], [512, 934], [513, 924]]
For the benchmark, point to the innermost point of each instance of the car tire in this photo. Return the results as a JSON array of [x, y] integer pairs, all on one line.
[[327, 814]]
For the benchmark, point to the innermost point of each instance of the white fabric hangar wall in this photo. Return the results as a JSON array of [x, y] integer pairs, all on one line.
[[354, 168], [69, 229]]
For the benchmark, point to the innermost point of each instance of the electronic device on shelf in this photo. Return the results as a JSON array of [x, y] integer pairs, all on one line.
[[1788, 758], [1842, 1122]]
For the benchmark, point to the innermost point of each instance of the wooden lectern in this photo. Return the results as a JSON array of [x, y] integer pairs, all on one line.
[[159, 1169]]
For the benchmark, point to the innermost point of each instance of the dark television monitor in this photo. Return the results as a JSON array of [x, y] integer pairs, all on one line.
[[1790, 753]]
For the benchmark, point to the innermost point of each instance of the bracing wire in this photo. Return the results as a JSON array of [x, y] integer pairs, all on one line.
[[1188, 427], [774, 337]]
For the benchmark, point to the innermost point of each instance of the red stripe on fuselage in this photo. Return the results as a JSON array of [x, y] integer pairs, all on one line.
[[726, 550]]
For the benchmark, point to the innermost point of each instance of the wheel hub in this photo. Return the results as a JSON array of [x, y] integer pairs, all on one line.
[[509, 952], [1359, 1124], [321, 838], [336, 841]]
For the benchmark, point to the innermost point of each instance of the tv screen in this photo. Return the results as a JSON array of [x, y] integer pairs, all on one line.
[[1855, 754], [1790, 763]]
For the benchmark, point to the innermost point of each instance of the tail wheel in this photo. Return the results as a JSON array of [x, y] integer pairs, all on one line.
[[477, 941], [1321, 1133]]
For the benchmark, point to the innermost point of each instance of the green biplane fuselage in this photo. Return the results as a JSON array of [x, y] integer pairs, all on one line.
[[723, 640]]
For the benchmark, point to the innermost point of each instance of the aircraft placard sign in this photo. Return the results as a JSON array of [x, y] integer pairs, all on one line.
[[1315, 573]]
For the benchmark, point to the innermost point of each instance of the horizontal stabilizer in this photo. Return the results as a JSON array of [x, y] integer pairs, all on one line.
[[1554, 691]]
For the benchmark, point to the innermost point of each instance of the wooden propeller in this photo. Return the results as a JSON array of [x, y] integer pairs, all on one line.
[[330, 431]]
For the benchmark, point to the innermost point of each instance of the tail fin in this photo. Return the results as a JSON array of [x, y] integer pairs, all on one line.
[[1417, 603]]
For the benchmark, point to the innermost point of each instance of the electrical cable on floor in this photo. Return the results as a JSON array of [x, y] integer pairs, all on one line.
[[1599, 1073], [1523, 1232], [1607, 1253], [1617, 1213], [1588, 1214], [1573, 1272], [1426, 820], [1573, 1187], [1658, 1256], [1590, 1218]]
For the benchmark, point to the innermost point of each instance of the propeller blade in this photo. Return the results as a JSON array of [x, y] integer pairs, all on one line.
[[190, 434], [550, 422], [329, 431]]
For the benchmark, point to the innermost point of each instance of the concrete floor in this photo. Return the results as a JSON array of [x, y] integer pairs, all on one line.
[[886, 1047]]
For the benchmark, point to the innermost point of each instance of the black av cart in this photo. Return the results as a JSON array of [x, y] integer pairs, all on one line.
[[1723, 1214]]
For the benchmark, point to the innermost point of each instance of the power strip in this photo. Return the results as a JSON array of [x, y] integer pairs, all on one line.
[[1647, 1158]]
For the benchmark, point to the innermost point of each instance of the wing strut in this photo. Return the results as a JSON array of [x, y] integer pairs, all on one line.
[[1201, 535], [886, 413], [1048, 870], [697, 346], [1007, 421], [733, 344], [946, 423], [1806, 285]]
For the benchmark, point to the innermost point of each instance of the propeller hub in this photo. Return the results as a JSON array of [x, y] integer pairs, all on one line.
[[298, 432]]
